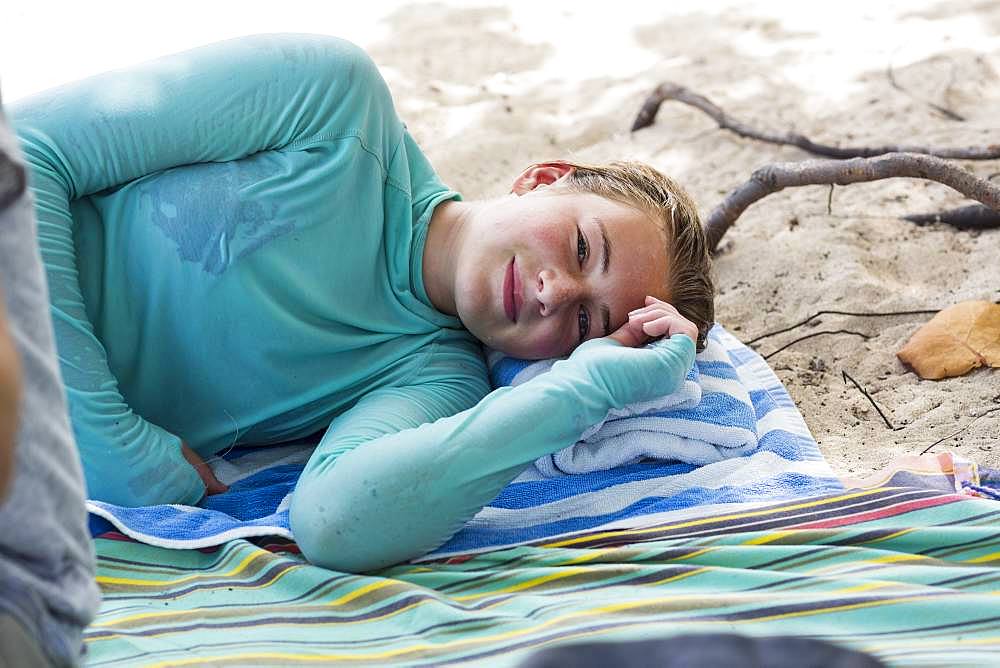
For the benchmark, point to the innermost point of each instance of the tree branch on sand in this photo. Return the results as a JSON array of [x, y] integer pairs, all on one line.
[[971, 217], [773, 178], [678, 93]]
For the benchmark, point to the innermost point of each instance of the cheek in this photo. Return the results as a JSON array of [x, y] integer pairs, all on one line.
[[549, 340], [545, 239]]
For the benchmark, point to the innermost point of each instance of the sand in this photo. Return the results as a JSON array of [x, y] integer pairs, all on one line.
[[488, 88]]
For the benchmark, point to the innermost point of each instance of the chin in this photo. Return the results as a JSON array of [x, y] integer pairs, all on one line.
[[507, 348], [521, 352]]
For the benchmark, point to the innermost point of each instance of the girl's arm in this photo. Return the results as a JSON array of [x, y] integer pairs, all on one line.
[[217, 103], [397, 475]]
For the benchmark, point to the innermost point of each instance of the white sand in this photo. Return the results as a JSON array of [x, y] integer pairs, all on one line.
[[489, 88]]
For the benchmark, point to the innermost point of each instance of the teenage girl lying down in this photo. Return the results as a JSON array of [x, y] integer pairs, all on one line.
[[245, 245]]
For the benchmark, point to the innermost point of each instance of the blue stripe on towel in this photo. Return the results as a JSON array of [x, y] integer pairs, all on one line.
[[741, 356], [768, 399], [720, 409], [717, 369], [786, 445], [536, 492], [257, 495]]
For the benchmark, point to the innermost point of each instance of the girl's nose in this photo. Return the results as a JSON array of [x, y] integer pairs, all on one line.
[[554, 290]]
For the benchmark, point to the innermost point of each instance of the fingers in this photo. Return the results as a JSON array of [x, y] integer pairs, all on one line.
[[654, 320], [657, 319], [669, 325], [658, 327], [630, 334], [654, 304], [212, 484]]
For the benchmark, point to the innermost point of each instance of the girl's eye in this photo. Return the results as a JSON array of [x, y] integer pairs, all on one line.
[[582, 252], [582, 247]]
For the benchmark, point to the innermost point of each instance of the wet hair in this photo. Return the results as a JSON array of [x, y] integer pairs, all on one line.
[[689, 283]]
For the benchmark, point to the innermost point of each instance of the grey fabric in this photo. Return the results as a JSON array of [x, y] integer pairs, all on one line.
[[710, 649], [17, 648], [13, 175], [12, 180], [46, 555]]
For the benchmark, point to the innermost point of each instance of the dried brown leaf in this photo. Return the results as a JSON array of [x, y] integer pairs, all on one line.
[[958, 339]]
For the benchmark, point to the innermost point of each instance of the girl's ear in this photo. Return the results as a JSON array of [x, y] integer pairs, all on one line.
[[541, 174]]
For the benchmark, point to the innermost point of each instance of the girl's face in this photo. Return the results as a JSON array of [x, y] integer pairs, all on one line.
[[546, 270]]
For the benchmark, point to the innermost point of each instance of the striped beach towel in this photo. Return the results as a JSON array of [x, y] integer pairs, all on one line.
[[784, 464], [906, 570]]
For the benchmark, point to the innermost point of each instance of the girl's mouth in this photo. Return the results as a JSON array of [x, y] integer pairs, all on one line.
[[512, 299]]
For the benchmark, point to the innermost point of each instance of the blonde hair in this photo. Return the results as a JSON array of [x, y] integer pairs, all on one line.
[[689, 282]]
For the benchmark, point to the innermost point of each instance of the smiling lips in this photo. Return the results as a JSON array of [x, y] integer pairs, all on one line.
[[512, 298]]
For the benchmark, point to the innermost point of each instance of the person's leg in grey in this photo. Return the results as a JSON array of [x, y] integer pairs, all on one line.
[[17, 648], [47, 589], [710, 649]]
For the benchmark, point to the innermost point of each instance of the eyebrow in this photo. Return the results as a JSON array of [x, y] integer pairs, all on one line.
[[605, 261]]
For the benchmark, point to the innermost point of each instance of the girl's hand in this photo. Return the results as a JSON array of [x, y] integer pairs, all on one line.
[[622, 370], [654, 320], [212, 484]]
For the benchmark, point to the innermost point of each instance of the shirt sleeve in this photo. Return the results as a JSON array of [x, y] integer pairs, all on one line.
[[397, 475], [217, 103]]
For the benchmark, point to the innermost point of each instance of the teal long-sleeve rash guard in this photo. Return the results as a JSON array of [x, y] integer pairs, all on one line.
[[233, 238]]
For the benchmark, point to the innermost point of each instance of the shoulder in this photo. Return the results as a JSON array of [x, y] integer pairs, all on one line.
[[332, 60], [336, 82], [320, 54]]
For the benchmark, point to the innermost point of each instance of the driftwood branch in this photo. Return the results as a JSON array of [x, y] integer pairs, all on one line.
[[972, 217], [773, 178], [672, 91]]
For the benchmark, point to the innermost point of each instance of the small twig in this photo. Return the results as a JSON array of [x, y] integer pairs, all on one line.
[[774, 178], [863, 391], [834, 312], [829, 200], [971, 422], [809, 336], [971, 217], [946, 112], [671, 91]]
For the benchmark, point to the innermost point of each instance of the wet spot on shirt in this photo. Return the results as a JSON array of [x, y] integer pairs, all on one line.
[[213, 212]]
